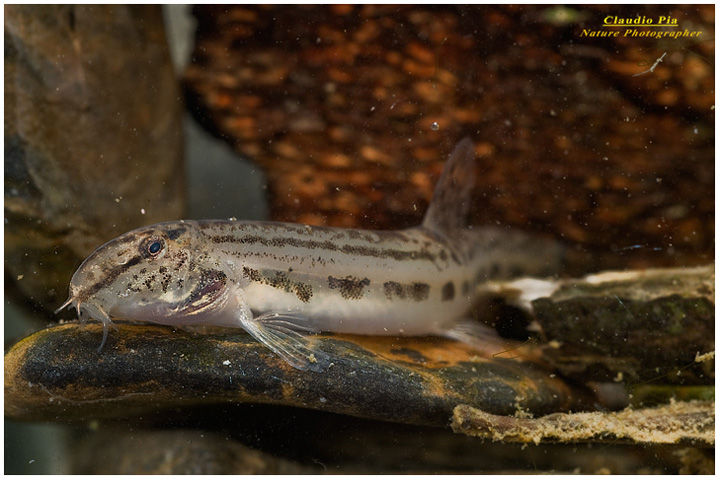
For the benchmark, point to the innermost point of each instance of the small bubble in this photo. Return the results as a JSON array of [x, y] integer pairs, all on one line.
[[435, 127], [142, 211]]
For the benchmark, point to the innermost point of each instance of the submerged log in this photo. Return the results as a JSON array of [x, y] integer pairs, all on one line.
[[644, 326], [58, 375], [682, 423]]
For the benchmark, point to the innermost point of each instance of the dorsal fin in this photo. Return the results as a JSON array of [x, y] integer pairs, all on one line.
[[451, 201]]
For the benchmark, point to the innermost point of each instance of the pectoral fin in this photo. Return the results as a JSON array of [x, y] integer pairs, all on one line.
[[281, 333]]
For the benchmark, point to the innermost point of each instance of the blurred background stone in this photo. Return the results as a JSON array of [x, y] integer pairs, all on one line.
[[175, 452], [93, 137]]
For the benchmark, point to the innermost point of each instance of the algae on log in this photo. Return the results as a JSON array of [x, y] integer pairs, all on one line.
[[636, 326], [685, 423]]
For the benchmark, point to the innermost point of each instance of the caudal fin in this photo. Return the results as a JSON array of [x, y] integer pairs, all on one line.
[[451, 201]]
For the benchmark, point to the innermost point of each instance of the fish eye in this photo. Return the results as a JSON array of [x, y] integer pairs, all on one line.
[[152, 247]]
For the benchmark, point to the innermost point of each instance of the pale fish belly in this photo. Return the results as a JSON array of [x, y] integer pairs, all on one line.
[[368, 307]]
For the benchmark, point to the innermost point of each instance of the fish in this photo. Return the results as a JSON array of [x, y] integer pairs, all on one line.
[[285, 282]]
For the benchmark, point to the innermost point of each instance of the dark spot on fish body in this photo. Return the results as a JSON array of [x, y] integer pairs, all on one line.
[[224, 239], [165, 283], [277, 279], [448, 292], [252, 274], [281, 281], [211, 278], [350, 287], [393, 289], [420, 291], [414, 291], [180, 258], [303, 291], [355, 234], [175, 233]]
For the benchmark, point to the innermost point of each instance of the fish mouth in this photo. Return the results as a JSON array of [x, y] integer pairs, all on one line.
[[88, 311]]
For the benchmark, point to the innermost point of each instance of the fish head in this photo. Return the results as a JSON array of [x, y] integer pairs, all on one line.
[[155, 274]]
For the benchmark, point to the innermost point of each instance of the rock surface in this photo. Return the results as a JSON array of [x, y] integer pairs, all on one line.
[[175, 452], [58, 375]]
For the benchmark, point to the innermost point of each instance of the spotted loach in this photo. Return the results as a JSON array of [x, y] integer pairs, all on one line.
[[283, 282]]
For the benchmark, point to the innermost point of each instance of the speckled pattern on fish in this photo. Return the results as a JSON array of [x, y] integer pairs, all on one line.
[[281, 282]]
